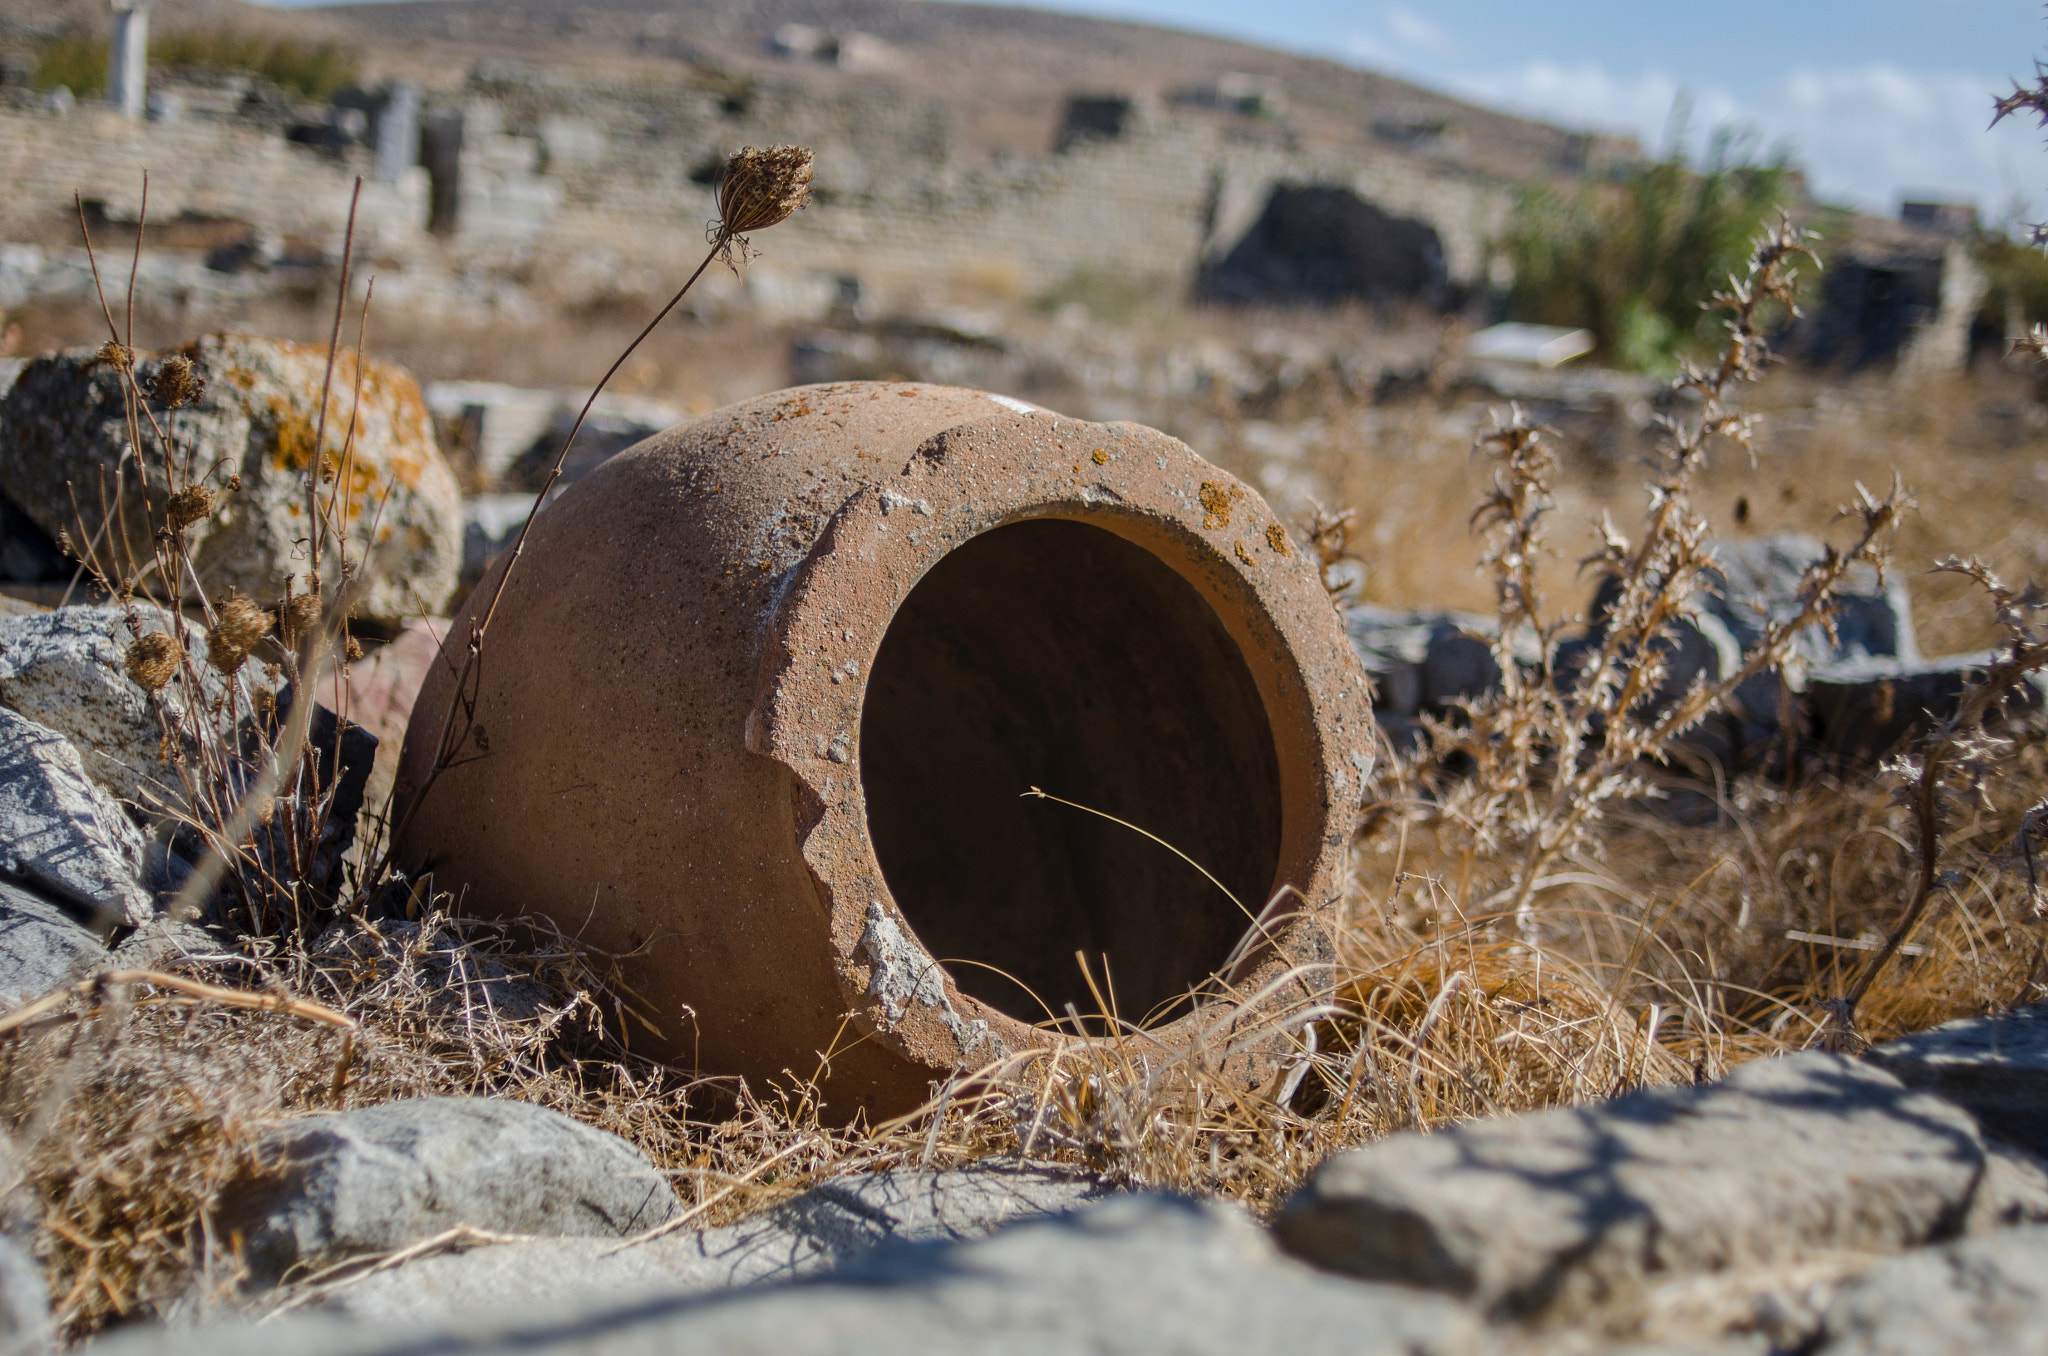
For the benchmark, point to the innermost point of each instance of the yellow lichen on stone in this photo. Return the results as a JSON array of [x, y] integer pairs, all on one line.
[[1244, 554], [1276, 537]]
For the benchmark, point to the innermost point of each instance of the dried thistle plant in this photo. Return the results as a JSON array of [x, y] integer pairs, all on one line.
[[227, 752], [152, 661], [759, 189], [239, 627], [763, 188], [1564, 738], [177, 383]]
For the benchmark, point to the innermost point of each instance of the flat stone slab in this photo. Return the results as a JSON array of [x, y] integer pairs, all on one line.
[[40, 949], [1994, 1067], [1137, 1276], [824, 1227], [379, 1179], [1984, 1296], [62, 836], [1555, 1214]]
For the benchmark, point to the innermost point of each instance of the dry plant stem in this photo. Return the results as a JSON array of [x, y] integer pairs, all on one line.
[[675, 1225], [313, 519], [449, 739], [97, 984], [1927, 821], [1961, 739]]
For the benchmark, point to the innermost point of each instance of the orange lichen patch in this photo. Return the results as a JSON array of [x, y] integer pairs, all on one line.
[[1244, 553], [1276, 537], [1217, 502], [293, 435], [1099, 457]]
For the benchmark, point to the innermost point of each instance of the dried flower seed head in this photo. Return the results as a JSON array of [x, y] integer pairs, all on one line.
[[761, 188], [301, 615], [352, 650], [152, 661], [116, 355], [177, 383], [188, 506], [240, 626]]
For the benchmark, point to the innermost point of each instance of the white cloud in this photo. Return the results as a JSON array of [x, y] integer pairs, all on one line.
[[1412, 31], [1866, 134], [1401, 40]]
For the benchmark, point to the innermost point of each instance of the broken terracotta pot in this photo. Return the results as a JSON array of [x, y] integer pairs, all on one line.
[[763, 703]]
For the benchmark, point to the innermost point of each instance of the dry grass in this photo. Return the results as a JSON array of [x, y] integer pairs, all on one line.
[[1665, 958], [1974, 447]]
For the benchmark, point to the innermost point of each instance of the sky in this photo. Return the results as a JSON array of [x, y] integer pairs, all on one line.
[[1877, 99]]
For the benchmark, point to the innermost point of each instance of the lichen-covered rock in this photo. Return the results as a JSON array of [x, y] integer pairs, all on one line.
[[64, 434], [63, 670]]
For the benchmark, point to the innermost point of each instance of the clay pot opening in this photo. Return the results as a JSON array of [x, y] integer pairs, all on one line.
[[1056, 654]]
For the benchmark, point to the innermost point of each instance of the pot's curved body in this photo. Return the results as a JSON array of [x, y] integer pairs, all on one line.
[[762, 705]]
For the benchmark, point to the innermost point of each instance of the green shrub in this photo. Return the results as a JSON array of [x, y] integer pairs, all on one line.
[[313, 69], [1635, 261], [2018, 276], [77, 61]]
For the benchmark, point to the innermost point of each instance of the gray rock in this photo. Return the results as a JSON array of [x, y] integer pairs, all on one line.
[[2014, 1190], [1995, 1067], [489, 524], [63, 669], [40, 949], [378, 1179], [615, 423], [1983, 1296], [1131, 1277], [66, 435], [64, 837], [1759, 584], [822, 1228], [165, 942], [24, 1304], [1423, 661], [1557, 1213], [1863, 708]]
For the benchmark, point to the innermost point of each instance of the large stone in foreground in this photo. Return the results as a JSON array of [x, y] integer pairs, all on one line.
[[1995, 1067], [40, 949], [63, 837], [1556, 1213], [63, 669], [1133, 1277], [63, 428], [824, 1227], [1984, 1296], [379, 1179]]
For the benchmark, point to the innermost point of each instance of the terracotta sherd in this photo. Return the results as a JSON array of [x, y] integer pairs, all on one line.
[[762, 705]]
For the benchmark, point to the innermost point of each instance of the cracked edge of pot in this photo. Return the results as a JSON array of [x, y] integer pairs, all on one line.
[[1218, 535]]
